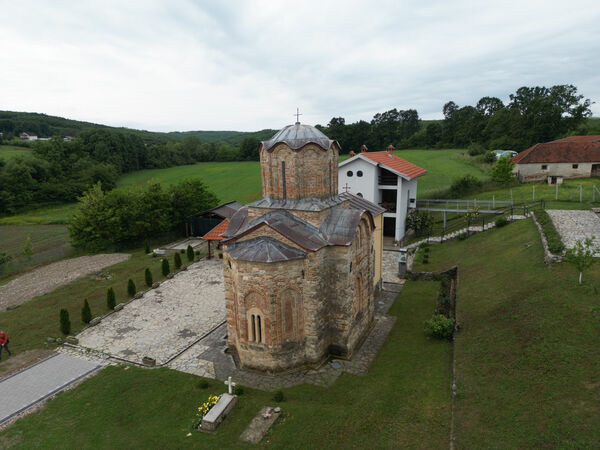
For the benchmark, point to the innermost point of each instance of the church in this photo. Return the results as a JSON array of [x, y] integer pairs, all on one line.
[[298, 263]]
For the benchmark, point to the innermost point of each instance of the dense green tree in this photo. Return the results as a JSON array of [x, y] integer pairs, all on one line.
[[131, 288], [111, 300], [249, 149], [148, 277], [86, 312], [65, 321], [502, 172]]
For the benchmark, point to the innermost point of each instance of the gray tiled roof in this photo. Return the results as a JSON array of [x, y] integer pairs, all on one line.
[[297, 136], [357, 202], [264, 249], [305, 204]]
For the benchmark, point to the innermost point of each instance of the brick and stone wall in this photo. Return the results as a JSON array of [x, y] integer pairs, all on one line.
[[310, 172]]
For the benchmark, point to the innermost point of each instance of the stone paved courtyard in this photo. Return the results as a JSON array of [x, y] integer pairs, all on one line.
[[165, 320], [574, 225]]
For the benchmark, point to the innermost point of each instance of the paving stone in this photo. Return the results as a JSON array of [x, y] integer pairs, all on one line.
[[575, 225]]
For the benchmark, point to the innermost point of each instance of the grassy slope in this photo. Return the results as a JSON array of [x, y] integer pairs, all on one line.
[[9, 151], [49, 242], [32, 322], [402, 402], [527, 353]]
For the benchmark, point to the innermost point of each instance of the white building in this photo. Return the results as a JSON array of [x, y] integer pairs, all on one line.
[[27, 136], [384, 179]]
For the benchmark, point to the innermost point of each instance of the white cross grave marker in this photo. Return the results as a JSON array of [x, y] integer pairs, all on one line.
[[230, 384]]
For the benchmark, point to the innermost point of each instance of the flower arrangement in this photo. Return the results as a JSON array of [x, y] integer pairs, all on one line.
[[205, 407]]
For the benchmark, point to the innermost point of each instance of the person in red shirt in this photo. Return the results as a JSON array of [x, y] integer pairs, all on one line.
[[4, 343]]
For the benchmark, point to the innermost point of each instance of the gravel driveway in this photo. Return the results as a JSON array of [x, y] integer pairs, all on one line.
[[47, 278]]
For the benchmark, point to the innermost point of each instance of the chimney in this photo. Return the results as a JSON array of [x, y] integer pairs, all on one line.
[[390, 149], [351, 154], [364, 149]]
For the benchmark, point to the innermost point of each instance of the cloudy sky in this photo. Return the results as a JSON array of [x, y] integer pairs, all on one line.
[[247, 65]]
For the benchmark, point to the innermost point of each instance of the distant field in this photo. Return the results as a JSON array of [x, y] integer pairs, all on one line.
[[241, 180], [9, 151], [50, 243]]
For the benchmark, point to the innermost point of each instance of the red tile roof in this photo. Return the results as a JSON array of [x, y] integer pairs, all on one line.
[[574, 149], [216, 232], [395, 163]]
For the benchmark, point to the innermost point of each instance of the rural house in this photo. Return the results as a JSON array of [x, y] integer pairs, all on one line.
[[572, 157], [28, 136], [385, 179]]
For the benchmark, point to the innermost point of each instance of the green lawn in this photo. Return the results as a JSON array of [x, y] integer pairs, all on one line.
[[527, 353], [30, 324], [49, 242], [403, 402], [55, 214], [10, 151], [568, 194]]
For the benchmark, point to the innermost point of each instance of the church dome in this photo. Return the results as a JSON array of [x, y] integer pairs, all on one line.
[[297, 136]]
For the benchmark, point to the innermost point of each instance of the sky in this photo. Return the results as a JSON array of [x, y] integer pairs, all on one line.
[[247, 65]]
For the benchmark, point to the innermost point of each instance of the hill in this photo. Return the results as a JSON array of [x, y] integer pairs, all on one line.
[[13, 123]]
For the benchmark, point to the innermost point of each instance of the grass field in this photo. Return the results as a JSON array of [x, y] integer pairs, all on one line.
[[49, 242], [9, 151], [33, 321], [403, 401], [527, 351]]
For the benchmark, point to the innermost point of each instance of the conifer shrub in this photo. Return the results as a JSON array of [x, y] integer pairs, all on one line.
[[177, 261], [111, 301], [462, 236], [238, 390], [165, 267], [148, 276], [203, 384], [65, 322], [146, 247], [86, 312], [190, 253], [131, 288], [278, 396]]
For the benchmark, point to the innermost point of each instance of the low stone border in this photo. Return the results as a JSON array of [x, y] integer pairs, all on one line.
[[549, 257]]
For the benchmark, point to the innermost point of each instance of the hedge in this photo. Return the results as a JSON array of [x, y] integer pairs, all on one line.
[[555, 244]]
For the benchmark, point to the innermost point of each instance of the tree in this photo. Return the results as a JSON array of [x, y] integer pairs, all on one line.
[[177, 261], [249, 149], [4, 259], [86, 312], [581, 256], [148, 276], [190, 253], [165, 267], [131, 289], [111, 301], [502, 172], [65, 322]]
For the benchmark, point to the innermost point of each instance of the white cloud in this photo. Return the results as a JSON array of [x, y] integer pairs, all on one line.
[[247, 65]]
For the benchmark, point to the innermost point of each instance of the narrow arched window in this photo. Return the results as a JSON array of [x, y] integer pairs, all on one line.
[[253, 327], [259, 329]]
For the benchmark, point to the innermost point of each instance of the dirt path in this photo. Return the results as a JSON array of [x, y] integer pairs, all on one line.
[[47, 278]]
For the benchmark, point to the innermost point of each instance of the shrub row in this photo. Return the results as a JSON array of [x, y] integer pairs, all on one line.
[[555, 244]]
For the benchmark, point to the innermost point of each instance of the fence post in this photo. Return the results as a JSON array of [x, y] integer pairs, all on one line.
[[493, 202], [580, 193], [533, 186], [556, 194]]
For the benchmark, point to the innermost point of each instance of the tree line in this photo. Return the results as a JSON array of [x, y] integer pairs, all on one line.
[[58, 171], [532, 115]]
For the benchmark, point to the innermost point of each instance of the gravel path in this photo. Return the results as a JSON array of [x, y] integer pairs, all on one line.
[[576, 225], [47, 278]]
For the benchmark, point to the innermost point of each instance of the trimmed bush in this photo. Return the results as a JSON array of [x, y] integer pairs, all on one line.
[[203, 384], [278, 396], [65, 322], [131, 290], [86, 312], [177, 261], [190, 253], [165, 267], [148, 276], [489, 157], [462, 236], [555, 244], [111, 301], [154, 255], [439, 327], [501, 221]]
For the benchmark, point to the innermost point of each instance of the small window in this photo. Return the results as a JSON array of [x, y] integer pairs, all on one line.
[[359, 173], [575, 166], [358, 194], [544, 167], [349, 173]]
